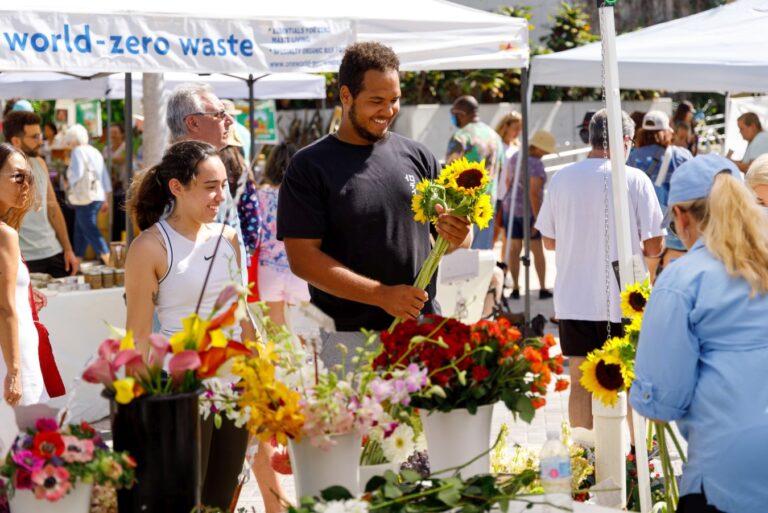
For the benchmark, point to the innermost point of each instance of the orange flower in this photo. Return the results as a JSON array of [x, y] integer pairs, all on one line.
[[549, 339], [532, 355], [538, 402], [561, 384]]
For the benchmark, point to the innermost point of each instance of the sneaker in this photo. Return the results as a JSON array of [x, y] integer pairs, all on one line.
[[515, 294], [545, 294]]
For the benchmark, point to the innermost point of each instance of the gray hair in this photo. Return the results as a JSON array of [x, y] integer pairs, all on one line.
[[184, 100], [77, 135], [598, 128]]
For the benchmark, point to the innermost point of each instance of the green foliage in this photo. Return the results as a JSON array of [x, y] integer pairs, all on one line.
[[408, 492], [570, 28]]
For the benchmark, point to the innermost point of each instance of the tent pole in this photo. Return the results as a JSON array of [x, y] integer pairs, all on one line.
[[622, 224], [128, 149], [251, 118], [526, 260]]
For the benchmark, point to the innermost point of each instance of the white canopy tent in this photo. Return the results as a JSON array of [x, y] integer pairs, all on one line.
[[255, 37], [719, 50], [49, 85]]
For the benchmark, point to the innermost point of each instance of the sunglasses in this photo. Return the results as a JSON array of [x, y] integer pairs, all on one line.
[[217, 115], [20, 178], [673, 229]]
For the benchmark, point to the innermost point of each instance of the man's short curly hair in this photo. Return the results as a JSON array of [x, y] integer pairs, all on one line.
[[361, 57]]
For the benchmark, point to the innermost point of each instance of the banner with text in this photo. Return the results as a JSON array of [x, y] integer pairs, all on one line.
[[49, 41]]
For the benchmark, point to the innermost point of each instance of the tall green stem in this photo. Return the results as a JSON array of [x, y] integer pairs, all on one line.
[[428, 269]]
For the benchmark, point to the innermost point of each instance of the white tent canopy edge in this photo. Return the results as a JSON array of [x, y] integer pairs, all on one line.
[[719, 50]]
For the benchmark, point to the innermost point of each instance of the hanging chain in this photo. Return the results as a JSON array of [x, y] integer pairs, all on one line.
[[606, 190]]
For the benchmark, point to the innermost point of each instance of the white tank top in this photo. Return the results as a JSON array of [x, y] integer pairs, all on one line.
[[32, 386], [188, 263]]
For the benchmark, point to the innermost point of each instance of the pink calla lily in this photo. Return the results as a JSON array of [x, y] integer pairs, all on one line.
[[109, 348], [183, 362], [100, 371], [132, 361], [228, 294], [158, 349]]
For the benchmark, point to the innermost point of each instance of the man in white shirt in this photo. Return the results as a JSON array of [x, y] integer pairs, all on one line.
[[752, 131], [572, 221]]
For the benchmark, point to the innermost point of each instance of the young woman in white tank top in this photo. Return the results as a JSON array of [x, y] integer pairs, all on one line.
[[166, 266]]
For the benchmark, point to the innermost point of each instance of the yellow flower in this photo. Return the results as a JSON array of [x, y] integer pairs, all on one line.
[[127, 342], [218, 339], [191, 336], [124, 390], [464, 176], [482, 213], [634, 326], [420, 215], [603, 375], [633, 300]]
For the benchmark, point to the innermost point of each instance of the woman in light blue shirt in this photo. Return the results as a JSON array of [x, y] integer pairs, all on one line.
[[702, 358]]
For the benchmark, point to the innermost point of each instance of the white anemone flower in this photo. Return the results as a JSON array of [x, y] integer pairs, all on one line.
[[399, 445]]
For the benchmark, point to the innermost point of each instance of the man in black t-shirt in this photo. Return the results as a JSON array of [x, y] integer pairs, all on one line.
[[344, 205]]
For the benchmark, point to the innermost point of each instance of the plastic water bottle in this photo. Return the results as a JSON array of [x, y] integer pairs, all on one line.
[[555, 462]]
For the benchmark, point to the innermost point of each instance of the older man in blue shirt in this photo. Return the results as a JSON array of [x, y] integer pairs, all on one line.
[[702, 358]]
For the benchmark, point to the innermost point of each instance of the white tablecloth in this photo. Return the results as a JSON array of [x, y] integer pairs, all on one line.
[[77, 323]]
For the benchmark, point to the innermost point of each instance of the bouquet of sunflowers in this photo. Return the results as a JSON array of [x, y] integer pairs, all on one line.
[[611, 369], [461, 189]]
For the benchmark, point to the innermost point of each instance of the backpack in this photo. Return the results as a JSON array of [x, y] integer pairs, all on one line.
[[88, 188]]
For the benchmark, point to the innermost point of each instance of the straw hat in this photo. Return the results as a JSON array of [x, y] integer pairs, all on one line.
[[543, 140]]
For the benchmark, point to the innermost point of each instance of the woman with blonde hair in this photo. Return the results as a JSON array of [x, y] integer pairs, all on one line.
[[509, 128], [702, 352], [20, 363], [757, 179]]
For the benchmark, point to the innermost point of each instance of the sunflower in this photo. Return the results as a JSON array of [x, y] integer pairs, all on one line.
[[633, 300], [417, 205], [482, 212], [603, 375], [464, 176]]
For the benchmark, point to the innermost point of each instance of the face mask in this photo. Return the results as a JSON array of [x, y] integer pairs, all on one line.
[[454, 121]]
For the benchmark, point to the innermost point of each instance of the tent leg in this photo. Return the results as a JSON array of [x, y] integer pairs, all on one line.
[[526, 260], [129, 149], [251, 81]]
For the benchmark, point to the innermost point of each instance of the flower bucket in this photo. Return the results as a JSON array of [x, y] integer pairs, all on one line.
[[456, 437], [76, 501], [162, 433], [368, 471], [222, 456], [315, 469]]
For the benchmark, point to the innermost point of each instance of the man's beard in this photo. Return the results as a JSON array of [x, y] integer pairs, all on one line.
[[29, 152], [361, 130]]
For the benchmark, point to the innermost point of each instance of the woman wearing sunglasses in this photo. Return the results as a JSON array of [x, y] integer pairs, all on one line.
[[702, 355], [20, 364]]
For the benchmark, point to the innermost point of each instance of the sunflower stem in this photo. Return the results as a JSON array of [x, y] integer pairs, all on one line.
[[427, 271]]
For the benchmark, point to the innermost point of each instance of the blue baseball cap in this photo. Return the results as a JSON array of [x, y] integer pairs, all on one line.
[[22, 105], [693, 180]]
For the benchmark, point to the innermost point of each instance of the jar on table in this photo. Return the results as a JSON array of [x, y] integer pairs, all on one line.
[[93, 278], [119, 277], [107, 277]]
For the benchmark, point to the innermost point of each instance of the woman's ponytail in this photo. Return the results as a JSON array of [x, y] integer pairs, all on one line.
[[148, 198]]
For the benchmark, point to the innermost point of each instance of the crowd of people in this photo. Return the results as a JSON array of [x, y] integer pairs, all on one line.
[[329, 223]]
